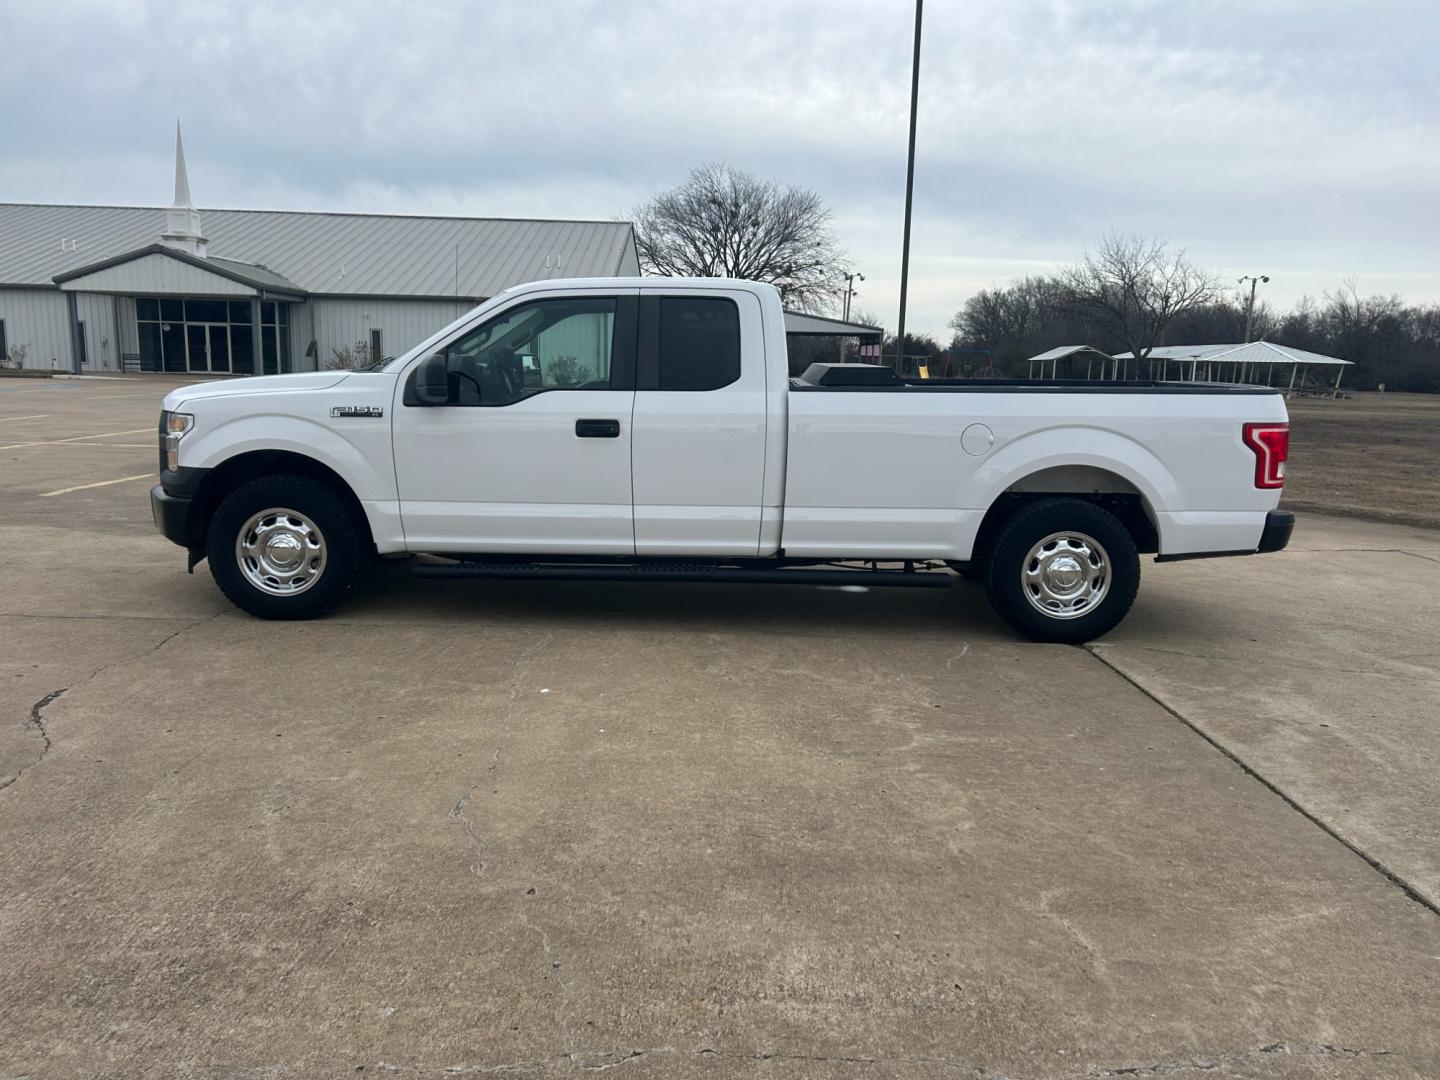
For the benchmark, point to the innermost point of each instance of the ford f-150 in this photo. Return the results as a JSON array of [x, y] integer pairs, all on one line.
[[648, 429]]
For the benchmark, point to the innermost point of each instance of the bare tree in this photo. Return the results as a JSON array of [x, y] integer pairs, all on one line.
[[1132, 288], [721, 222]]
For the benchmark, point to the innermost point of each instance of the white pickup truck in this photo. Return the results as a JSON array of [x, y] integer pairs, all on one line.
[[648, 429]]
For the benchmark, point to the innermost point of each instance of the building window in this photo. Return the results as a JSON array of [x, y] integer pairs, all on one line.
[[80, 339], [211, 336], [377, 345], [4, 344], [275, 336]]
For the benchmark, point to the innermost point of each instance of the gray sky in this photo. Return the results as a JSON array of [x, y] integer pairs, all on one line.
[[1297, 138]]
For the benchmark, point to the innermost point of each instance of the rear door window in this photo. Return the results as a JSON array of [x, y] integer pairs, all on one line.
[[699, 343]]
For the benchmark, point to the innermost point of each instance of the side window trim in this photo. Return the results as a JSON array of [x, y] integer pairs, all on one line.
[[647, 362], [622, 350], [622, 342]]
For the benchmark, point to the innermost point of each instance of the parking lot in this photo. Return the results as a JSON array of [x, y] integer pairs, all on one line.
[[470, 828]]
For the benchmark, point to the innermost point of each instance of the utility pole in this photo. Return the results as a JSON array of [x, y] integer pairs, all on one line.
[[909, 193], [1250, 307], [850, 280]]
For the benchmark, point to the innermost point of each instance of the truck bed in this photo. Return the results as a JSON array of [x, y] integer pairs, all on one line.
[[1033, 386]]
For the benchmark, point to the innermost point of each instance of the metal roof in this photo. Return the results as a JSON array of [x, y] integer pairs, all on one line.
[[1253, 352], [1062, 351], [798, 322], [336, 254], [258, 277]]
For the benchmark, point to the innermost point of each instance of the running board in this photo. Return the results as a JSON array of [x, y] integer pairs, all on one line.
[[694, 572]]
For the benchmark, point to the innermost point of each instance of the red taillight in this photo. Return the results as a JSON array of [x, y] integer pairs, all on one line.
[[1271, 443]]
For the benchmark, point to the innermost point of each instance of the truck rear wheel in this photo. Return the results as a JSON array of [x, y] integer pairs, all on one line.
[[284, 547], [1062, 570]]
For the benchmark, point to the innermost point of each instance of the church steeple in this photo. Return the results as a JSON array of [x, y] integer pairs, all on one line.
[[182, 220]]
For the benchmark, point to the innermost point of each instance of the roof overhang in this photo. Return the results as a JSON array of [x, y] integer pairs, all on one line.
[[800, 324], [158, 270], [1061, 352], [1250, 352]]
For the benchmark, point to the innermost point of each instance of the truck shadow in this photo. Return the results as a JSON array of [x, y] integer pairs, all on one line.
[[391, 594]]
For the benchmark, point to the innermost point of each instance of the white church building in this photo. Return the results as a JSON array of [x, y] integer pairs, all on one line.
[[124, 288]]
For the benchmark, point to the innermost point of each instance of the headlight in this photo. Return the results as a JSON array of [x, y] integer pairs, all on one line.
[[174, 425]]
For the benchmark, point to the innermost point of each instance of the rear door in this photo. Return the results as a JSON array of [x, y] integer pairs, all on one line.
[[699, 423], [532, 452]]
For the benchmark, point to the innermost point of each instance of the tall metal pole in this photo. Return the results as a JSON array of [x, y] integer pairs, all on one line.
[[1250, 307], [909, 193]]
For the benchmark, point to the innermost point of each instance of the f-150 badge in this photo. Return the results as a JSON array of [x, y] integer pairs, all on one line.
[[357, 410]]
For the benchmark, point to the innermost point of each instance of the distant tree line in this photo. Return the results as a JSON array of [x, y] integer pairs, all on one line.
[[1131, 296]]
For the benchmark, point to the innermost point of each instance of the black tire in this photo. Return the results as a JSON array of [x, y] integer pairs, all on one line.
[[342, 544], [1010, 553]]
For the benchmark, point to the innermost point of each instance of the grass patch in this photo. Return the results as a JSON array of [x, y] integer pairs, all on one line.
[[1373, 456]]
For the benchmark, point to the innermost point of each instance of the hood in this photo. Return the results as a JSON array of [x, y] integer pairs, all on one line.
[[256, 384]]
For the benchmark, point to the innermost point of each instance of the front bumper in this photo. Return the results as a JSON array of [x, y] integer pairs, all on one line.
[[172, 515], [1279, 524]]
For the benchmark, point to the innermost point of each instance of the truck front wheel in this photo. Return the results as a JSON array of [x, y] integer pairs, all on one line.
[[1062, 570], [284, 547]]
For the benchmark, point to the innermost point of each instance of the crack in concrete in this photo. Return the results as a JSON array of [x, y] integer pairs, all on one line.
[[35, 722], [35, 725], [615, 1061], [562, 1003], [460, 812], [1225, 1061], [1375, 864]]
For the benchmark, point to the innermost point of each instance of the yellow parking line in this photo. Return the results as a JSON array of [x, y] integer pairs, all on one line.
[[102, 483], [34, 416]]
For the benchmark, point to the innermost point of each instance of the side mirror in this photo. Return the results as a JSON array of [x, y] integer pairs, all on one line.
[[432, 384]]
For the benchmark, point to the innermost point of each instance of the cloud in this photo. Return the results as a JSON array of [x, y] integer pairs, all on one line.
[[1292, 137]]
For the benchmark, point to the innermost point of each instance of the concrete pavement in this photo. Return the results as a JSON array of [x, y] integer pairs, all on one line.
[[465, 828]]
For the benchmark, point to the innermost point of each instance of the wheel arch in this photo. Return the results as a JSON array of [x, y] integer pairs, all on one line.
[[1094, 464], [1103, 487], [229, 474]]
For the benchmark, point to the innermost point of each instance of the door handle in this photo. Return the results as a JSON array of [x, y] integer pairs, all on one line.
[[597, 429]]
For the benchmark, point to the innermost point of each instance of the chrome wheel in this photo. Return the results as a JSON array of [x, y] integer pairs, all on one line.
[[280, 552], [1066, 575]]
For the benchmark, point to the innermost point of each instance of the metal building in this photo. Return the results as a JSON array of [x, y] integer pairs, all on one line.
[[108, 288]]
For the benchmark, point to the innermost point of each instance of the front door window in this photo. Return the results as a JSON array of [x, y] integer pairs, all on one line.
[[560, 344]]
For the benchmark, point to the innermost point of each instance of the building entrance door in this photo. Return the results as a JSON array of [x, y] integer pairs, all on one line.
[[207, 347]]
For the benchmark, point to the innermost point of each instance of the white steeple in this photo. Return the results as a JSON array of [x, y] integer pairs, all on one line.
[[182, 220]]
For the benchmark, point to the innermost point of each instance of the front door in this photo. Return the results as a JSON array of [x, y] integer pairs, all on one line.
[[207, 346], [531, 454]]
